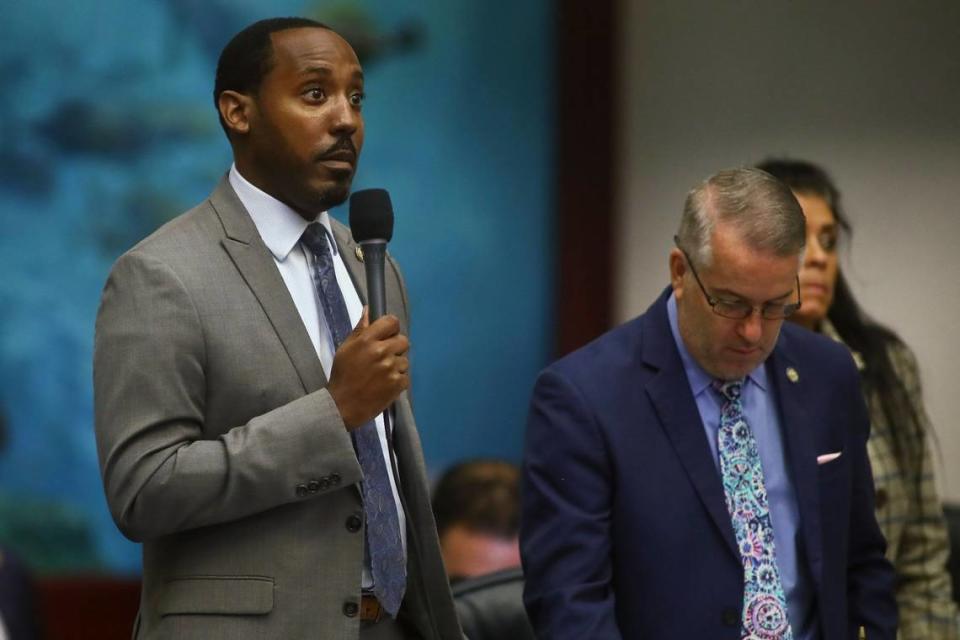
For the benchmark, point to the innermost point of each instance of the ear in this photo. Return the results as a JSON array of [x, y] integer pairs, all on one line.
[[678, 269], [236, 109]]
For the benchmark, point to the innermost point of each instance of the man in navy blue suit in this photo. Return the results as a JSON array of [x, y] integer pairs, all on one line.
[[700, 472]]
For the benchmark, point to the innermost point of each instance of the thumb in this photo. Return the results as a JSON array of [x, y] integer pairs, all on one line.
[[364, 320]]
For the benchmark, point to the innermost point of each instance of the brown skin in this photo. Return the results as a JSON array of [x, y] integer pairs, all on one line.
[[730, 349], [298, 138], [370, 369]]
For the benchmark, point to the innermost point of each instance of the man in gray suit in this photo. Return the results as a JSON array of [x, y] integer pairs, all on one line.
[[243, 433]]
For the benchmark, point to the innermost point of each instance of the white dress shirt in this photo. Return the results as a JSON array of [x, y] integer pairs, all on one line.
[[281, 228]]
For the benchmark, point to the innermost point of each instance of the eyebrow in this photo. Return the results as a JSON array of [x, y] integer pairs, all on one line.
[[326, 70], [314, 69]]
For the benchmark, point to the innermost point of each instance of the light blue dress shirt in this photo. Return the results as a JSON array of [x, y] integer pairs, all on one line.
[[760, 410]]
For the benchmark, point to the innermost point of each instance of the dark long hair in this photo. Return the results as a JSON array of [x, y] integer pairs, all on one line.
[[857, 329]]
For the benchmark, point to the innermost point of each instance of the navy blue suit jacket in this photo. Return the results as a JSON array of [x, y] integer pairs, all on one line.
[[625, 532]]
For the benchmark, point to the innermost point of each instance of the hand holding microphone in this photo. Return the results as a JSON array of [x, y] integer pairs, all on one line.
[[370, 367]]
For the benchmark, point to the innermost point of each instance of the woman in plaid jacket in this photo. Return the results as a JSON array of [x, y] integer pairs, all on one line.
[[908, 508]]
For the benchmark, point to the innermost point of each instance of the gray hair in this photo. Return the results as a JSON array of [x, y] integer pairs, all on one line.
[[762, 210]]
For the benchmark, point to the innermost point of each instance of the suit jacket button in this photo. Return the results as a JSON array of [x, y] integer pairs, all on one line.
[[354, 523], [302, 490], [313, 486], [881, 498], [731, 617], [324, 482], [334, 479], [350, 609]]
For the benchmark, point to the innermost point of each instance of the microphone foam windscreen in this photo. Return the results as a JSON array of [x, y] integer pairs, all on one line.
[[371, 215]]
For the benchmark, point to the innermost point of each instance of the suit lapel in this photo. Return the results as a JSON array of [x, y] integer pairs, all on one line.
[[349, 253], [800, 450], [258, 269], [670, 393]]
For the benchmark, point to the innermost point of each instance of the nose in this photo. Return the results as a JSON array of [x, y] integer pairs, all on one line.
[[814, 256], [346, 117], [751, 327]]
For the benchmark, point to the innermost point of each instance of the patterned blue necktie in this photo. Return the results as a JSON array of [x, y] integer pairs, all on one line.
[[764, 604], [384, 548]]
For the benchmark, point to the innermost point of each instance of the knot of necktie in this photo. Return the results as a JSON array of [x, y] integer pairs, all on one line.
[[315, 238], [730, 390]]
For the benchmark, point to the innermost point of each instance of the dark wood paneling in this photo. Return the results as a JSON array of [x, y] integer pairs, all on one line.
[[586, 108], [87, 607]]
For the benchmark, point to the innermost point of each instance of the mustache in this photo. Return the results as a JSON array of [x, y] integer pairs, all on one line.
[[341, 145]]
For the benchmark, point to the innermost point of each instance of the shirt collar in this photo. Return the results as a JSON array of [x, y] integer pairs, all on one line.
[[700, 379], [280, 226]]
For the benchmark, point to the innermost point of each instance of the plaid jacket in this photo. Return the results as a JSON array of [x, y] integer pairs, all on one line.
[[909, 512]]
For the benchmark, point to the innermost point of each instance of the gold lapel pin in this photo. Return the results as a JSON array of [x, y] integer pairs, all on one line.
[[359, 253], [792, 374]]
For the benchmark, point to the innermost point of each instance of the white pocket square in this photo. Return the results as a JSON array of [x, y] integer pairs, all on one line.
[[828, 457]]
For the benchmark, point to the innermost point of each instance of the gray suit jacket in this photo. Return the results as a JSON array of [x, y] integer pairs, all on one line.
[[222, 451]]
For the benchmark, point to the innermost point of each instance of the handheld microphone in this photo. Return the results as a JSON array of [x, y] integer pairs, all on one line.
[[371, 223]]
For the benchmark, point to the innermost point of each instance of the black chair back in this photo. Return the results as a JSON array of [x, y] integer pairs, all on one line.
[[491, 607]]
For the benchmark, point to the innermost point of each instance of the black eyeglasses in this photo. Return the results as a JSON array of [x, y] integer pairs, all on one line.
[[740, 310]]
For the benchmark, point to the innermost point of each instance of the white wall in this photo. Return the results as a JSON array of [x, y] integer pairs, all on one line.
[[872, 92]]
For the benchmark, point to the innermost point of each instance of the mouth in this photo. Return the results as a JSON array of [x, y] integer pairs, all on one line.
[[342, 158], [815, 288], [339, 166]]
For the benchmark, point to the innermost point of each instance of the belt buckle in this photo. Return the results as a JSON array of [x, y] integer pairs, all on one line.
[[370, 608]]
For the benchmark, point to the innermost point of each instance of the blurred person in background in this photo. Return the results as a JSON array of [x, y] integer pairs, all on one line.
[[908, 508], [477, 507], [18, 612]]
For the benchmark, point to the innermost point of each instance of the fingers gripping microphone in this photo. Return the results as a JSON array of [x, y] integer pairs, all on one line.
[[371, 223]]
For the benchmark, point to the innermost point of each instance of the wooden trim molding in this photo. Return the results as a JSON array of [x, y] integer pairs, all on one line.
[[586, 110]]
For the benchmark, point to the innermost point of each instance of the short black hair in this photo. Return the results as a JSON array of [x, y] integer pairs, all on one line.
[[483, 495], [248, 57]]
